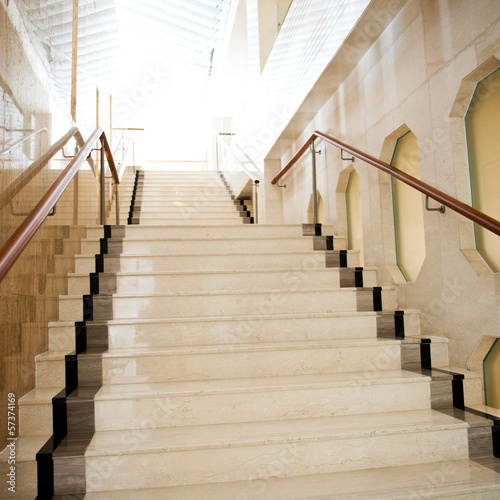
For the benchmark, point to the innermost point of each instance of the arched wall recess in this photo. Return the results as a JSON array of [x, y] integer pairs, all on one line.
[[387, 209], [354, 215], [482, 124], [492, 376], [460, 159], [409, 231]]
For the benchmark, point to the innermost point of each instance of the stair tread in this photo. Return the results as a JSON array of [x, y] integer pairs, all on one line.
[[246, 292], [26, 448], [125, 391], [264, 433], [230, 348], [243, 252], [253, 347], [472, 419], [41, 396], [441, 480], [202, 319], [289, 271], [254, 228], [212, 238]]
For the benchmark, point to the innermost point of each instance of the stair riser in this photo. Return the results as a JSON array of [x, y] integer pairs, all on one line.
[[35, 420], [161, 204], [257, 231], [224, 365], [231, 304], [158, 334], [204, 246], [26, 480], [197, 199], [165, 283], [186, 209], [199, 193], [268, 460], [50, 373], [145, 221], [199, 215], [196, 263], [181, 183], [199, 409]]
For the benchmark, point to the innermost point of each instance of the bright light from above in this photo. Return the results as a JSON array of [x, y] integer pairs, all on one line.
[[166, 61], [174, 115]]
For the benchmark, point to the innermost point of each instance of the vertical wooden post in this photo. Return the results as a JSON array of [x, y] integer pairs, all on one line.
[[97, 107], [110, 119], [97, 104], [74, 59]]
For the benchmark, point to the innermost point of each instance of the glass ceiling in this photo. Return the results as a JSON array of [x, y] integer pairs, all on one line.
[[123, 45]]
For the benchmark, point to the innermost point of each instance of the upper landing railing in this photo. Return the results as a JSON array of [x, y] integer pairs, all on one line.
[[254, 175], [15, 245], [471, 213]]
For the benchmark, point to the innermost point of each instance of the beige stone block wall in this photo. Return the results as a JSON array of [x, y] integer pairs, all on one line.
[[411, 78]]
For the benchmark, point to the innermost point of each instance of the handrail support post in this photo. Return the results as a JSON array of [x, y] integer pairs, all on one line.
[[117, 199], [314, 195], [103, 185], [256, 201]]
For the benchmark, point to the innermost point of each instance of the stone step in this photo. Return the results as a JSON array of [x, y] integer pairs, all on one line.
[[26, 448], [137, 406], [167, 190], [211, 262], [172, 404], [203, 231], [481, 431], [170, 363], [215, 221], [293, 279], [178, 174], [229, 330], [226, 303], [203, 246], [237, 452], [179, 181], [457, 479], [35, 411], [189, 216], [200, 198], [150, 365], [188, 209], [162, 204]]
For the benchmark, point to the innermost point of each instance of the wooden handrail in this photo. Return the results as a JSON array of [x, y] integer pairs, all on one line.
[[109, 157], [15, 245], [471, 213]]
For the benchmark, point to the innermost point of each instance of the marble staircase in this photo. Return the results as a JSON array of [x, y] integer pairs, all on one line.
[[199, 357]]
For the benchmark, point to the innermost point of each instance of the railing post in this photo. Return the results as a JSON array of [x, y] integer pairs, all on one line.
[[103, 185], [117, 199], [314, 196], [256, 201]]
